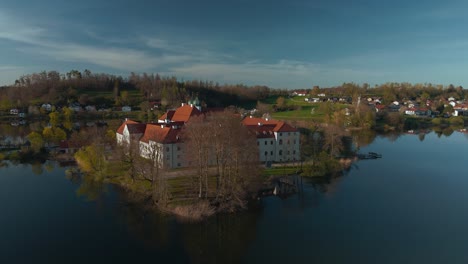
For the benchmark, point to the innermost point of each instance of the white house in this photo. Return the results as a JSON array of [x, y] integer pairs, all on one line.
[[47, 107], [277, 141], [159, 141]]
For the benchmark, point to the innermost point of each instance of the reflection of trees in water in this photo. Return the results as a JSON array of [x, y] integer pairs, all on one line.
[[37, 168], [91, 189], [154, 229], [421, 136], [363, 137], [448, 131], [221, 239]]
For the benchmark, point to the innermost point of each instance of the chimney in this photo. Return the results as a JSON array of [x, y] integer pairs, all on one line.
[[183, 104]]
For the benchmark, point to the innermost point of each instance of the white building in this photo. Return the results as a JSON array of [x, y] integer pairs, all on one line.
[[277, 141]]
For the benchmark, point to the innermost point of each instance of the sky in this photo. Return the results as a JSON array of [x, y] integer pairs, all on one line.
[[281, 44]]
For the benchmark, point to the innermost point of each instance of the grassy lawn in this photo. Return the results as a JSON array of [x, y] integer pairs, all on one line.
[[279, 171]]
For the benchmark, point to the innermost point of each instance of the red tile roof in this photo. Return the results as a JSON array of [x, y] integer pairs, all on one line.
[[181, 114], [136, 128], [184, 113], [264, 131], [284, 127], [161, 134], [254, 121], [122, 127], [168, 115], [265, 128]]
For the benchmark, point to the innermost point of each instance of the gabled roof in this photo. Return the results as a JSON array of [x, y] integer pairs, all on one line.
[[265, 131], [168, 115], [184, 113], [136, 128], [122, 127], [254, 121], [181, 114], [265, 127], [160, 134], [284, 127]]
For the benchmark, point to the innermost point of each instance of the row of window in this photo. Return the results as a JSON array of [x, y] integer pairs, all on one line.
[[280, 153], [280, 142]]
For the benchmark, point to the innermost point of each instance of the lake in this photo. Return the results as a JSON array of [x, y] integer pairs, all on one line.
[[411, 206]]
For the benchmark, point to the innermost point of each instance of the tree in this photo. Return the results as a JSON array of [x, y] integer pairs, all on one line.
[[36, 140], [333, 136], [221, 141], [280, 103], [327, 108], [54, 118], [54, 134], [91, 160]]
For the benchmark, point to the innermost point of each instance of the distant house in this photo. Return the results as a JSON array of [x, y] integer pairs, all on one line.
[[312, 100], [418, 111], [67, 147], [299, 93], [460, 110], [321, 95], [423, 112], [14, 111], [410, 111], [46, 107], [380, 108], [126, 108], [90, 108]]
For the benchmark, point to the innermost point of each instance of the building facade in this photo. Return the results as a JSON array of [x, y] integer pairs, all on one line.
[[277, 141]]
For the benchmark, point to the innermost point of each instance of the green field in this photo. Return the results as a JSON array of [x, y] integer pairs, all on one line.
[[304, 111]]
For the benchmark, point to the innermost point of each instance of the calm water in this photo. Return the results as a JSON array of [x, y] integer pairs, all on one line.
[[411, 206]]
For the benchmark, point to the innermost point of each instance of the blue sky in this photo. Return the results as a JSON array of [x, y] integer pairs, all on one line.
[[282, 44]]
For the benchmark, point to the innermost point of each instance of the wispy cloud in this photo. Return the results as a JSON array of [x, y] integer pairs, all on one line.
[[38, 41], [283, 73], [9, 73], [193, 59]]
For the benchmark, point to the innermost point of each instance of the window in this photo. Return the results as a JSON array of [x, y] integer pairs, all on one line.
[[257, 143], [289, 152], [266, 142], [294, 142], [281, 134], [178, 164], [167, 149], [271, 152], [266, 153], [294, 152], [178, 148], [288, 142], [281, 142], [280, 152], [289, 133], [271, 142]]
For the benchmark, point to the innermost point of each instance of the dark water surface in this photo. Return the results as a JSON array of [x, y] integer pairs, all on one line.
[[411, 206]]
